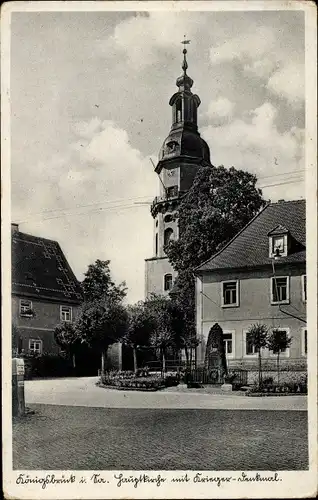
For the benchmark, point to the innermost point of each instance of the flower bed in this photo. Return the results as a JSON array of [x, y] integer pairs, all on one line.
[[274, 389], [131, 381]]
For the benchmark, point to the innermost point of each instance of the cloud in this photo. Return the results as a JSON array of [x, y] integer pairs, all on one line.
[[254, 143], [261, 68], [261, 54], [250, 45], [96, 184], [289, 82], [141, 38], [220, 111]]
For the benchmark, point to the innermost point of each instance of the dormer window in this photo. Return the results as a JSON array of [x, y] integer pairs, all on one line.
[[278, 242]]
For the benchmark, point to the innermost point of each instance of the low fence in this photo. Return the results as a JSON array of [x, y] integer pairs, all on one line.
[[238, 378], [171, 365]]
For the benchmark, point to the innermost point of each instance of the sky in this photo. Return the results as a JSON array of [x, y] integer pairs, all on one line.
[[90, 107]]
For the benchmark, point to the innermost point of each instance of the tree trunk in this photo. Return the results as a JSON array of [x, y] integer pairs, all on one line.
[[259, 368], [191, 352], [103, 360], [278, 367], [74, 360], [163, 363], [186, 356], [135, 359]]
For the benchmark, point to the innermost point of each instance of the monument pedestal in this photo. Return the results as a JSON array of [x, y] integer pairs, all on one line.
[[226, 387]]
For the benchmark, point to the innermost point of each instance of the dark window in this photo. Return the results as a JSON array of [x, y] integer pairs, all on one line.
[[35, 346], [179, 111], [167, 282], [228, 343], [168, 218], [168, 234], [172, 191], [66, 313], [279, 289], [250, 347], [25, 308], [305, 341], [230, 293], [157, 244]]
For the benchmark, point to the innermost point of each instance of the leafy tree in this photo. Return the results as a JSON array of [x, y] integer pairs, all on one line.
[[103, 319], [219, 204], [98, 284], [163, 335], [277, 342], [140, 324], [183, 314], [101, 324], [66, 336], [258, 337]]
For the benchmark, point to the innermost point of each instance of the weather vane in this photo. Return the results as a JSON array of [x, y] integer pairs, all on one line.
[[185, 42]]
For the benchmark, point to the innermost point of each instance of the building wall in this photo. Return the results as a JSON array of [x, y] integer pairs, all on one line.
[[254, 307], [42, 325], [155, 271]]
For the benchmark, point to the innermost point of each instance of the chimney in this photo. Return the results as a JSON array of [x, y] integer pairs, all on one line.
[[14, 227]]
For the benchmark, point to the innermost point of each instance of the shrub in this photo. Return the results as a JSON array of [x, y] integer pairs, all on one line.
[[285, 388], [47, 365], [130, 380]]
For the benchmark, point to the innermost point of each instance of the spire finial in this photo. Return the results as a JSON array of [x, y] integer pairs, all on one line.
[[185, 64]]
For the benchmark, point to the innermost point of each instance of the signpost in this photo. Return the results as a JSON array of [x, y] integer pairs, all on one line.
[[18, 402]]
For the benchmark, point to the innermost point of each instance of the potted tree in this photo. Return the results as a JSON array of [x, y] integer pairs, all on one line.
[[278, 341], [258, 337]]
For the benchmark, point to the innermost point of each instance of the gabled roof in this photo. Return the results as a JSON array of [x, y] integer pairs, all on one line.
[[278, 230], [40, 270], [250, 247]]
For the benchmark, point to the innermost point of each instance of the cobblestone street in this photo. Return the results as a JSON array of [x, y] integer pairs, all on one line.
[[77, 425], [68, 437]]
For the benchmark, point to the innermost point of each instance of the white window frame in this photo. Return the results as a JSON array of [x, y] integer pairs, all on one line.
[[164, 282], [273, 285], [230, 332], [245, 355], [303, 294], [303, 330], [37, 341], [23, 313], [61, 314], [285, 354], [237, 303], [271, 245]]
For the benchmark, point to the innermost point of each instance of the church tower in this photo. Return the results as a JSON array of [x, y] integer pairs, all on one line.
[[182, 152]]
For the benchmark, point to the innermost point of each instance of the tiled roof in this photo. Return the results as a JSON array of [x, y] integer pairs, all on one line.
[[40, 269], [250, 247]]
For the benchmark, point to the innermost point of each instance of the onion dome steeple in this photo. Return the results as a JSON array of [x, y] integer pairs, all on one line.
[[184, 140], [184, 82]]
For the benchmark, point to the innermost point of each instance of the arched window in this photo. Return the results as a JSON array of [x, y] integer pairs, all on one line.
[[168, 218], [168, 234], [167, 282], [179, 111]]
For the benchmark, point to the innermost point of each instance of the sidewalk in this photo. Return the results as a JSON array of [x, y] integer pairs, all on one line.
[[84, 392]]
